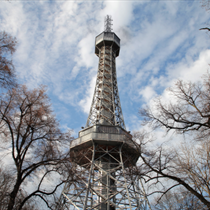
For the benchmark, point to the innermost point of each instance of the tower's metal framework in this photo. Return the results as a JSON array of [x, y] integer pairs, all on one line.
[[106, 108], [104, 154]]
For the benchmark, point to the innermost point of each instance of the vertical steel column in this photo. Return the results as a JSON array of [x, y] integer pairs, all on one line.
[[107, 183], [123, 171], [89, 179]]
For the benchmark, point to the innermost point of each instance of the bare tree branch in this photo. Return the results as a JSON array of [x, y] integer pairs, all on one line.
[[38, 145], [7, 48], [187, 165]]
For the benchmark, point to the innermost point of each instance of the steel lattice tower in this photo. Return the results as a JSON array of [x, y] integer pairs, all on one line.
[[104, 154]]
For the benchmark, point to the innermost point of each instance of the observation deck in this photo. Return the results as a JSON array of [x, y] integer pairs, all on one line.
[[103, 135], [107, 39]]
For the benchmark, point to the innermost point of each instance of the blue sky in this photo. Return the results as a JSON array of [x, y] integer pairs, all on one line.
[[160, 43]]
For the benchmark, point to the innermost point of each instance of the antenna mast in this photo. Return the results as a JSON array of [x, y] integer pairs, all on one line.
[[108, 23]]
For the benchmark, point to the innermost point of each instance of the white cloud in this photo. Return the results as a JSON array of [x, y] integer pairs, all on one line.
[[121, 12], [147, 93], [160, 42], [85, 103], [188, 69]]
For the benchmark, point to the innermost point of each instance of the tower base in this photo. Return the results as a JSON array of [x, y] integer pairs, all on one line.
[[106, 181]]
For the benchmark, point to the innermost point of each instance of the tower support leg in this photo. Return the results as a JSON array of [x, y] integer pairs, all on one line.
[[105, 182]]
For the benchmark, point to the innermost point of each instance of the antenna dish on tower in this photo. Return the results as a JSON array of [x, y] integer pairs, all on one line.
[[108, 23]]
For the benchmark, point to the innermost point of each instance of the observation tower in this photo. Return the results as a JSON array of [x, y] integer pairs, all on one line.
[[104, 154]]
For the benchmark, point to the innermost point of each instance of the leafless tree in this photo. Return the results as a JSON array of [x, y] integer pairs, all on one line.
[[5, 186], [205, 4], [177, 200], [7, 48], [189, 112], [165, 167], [39, 149]]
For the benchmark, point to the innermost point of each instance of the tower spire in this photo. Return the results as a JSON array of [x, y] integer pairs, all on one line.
[[108, 23]]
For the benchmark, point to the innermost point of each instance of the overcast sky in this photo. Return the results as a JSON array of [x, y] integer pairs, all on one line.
[[160, 43]]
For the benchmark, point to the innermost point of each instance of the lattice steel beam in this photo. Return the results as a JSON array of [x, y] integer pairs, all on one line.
[[106, 182]]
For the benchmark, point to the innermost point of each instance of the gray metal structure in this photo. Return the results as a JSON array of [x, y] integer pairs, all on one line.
[[104, 154], [106, 108]]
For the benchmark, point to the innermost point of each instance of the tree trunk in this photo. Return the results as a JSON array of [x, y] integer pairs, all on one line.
[[13, 195]]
